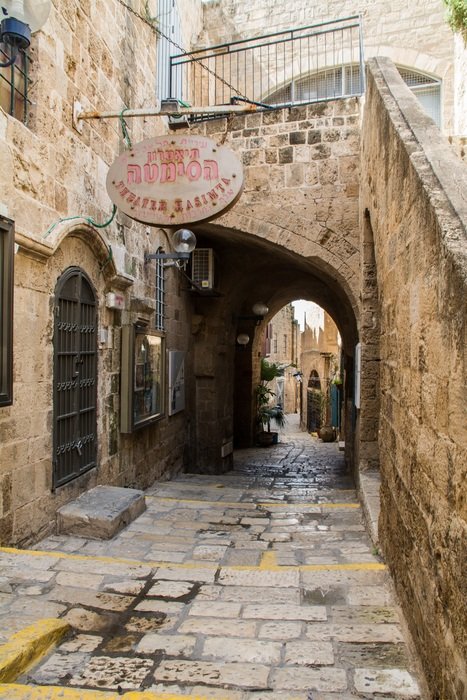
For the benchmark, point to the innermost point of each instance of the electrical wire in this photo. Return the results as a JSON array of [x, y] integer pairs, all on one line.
[[88, 220], [185, 53], [124, 125]]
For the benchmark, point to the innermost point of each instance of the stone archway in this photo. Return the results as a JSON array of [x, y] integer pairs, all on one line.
[[293, 234], [252, 269]]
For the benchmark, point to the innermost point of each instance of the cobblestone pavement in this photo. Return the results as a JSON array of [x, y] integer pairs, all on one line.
[[260, 583]]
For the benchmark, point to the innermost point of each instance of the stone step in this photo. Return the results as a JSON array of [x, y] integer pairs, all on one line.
[[101, 512]]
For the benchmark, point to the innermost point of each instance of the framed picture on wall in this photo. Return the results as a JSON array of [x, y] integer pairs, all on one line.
[[142, 385]]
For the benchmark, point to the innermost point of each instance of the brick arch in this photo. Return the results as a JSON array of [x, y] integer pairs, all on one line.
[[286, 266], [411, 58], [93, 238], [263, 261]]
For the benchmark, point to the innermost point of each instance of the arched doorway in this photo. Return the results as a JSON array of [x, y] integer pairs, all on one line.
[[313, 414], [75, 377]]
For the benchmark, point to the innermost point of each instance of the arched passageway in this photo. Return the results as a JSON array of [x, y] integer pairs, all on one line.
[[248, 270]]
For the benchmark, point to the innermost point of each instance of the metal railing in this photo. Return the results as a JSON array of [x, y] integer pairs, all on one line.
[[298, 66]]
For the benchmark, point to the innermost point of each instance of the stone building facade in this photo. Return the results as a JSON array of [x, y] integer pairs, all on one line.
[[320, 361], [282, 346], [368, 222], [51, 172]]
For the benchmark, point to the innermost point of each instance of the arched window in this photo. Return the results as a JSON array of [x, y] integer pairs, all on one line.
[[344, 81], [75, 377], [314, 402]]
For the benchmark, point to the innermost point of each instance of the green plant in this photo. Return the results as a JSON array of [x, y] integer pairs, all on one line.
[[265, 411], [270, 370], [457, 16], [153, 21]]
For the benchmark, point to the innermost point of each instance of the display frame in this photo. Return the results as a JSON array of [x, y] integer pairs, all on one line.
[[142, 377]]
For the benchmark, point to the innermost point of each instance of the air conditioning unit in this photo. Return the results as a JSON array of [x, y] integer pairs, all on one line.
[[202, 267]]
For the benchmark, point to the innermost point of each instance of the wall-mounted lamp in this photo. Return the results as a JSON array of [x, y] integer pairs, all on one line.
[[183, 242], [18, 19], [259, 309], [243, 339]]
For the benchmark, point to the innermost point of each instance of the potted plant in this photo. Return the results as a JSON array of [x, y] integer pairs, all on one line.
[[326, 432], [266, 411]]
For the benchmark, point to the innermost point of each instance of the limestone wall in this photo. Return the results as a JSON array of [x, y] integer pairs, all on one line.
[[414, 197], [104, 55], [414, 35]]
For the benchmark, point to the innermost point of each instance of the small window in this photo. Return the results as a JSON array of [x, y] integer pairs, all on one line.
[[6, 310], [344, 81], [14, 83], [426, 89]]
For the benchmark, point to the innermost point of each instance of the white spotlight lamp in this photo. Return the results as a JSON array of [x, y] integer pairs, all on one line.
[[183, 242], [243, 339], [260, 309]]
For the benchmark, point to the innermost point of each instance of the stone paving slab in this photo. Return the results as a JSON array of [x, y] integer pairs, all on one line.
[[257, 584], [101, 512]]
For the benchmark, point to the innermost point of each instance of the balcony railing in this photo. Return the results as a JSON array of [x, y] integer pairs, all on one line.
[[298, 66]]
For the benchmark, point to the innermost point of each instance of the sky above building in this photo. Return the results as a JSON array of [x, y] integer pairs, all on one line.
[[310, 311]]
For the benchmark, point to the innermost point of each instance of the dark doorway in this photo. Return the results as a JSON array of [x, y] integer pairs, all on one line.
[[75, 377]]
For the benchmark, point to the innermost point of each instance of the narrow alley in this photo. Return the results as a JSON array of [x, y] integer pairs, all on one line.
[[260, 583]]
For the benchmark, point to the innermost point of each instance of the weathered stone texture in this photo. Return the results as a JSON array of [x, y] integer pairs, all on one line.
[[51, 171], [411, 184]]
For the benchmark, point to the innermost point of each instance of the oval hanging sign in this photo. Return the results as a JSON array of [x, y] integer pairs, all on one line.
[[175, 180]]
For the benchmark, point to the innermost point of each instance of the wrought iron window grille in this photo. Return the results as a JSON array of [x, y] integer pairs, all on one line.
[[14, 86]]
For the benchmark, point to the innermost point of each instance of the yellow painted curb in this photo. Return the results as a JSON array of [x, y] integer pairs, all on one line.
[[29, 692], [266, 563], [251, 505], [26, 647]]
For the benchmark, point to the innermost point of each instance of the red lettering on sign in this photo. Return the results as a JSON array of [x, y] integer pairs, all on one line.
[[210, 170], [175, 180], [168, 172], [193, 170], [151, 172], [133, 174]]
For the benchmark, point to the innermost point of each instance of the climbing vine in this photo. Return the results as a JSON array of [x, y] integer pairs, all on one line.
[[457, 16]]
